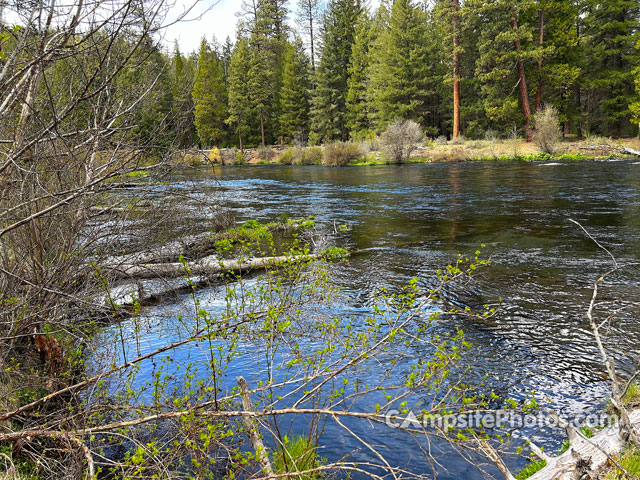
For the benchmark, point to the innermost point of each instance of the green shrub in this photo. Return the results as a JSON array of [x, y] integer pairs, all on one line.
[[287, 157], [340, 154], [335, 254], [311, 156], [299, 455]]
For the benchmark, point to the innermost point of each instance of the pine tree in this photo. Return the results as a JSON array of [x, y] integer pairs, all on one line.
[[295, 95], [209, 96], [635, 106], [308, 13], [400, 67], [329, 103], [505, 42], [183, 100], [557, 54], [267, 44], [611, 28], [240, 110], [358, 121]]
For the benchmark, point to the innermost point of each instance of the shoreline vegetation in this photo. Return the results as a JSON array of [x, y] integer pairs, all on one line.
[[433, 151]]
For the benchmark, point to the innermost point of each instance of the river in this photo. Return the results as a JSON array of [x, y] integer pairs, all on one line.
[[418, 218]]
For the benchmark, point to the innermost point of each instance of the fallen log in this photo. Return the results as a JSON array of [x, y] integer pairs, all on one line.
[[631, 151], [586, 454], [207, 266]]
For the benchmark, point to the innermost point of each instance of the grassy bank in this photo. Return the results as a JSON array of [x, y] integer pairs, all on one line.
[[432, 151]]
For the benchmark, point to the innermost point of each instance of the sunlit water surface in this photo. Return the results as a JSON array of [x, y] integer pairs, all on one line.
[[420, 217]]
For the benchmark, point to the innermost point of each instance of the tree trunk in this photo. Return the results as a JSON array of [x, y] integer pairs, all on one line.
[[313, 53], [240, 140], [594, 453], [524, 93], [262, 456], [27, 107], [540, 62], [262, 128], [456, 69], [206, 266]]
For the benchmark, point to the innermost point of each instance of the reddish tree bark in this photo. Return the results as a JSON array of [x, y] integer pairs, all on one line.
[[456, 69], [524, 93], [540, 62]]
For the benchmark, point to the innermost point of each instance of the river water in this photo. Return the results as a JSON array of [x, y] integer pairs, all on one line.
[[419, 218]]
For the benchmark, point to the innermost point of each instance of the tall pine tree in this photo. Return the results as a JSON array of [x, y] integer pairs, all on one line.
[[400, 67], [358, 115], [209, 96], [611, 32], [295, 94], [240, 111], [329, 112]]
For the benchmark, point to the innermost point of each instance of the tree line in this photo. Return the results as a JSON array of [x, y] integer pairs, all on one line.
[[456, 67]]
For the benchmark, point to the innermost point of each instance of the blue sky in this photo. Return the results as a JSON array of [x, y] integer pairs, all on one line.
[[209, 17]]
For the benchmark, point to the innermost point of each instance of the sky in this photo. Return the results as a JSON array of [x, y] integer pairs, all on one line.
[[209, 17]]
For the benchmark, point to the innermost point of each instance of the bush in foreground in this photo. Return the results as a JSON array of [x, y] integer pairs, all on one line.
[[400, 139]]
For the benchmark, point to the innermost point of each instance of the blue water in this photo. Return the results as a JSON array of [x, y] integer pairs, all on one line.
[[419, 218]]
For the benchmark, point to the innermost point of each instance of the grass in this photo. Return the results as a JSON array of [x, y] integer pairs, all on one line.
[[532, 468], [299, 455], [435, 151], [630, 461], [632, 397]]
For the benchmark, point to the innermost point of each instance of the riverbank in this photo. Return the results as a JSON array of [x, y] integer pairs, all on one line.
[[433, 151]]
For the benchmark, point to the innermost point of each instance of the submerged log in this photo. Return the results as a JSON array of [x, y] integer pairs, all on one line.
[[586, 454], [207, 266]]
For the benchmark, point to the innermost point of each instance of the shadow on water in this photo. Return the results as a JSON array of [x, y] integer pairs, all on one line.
[[415, 219]]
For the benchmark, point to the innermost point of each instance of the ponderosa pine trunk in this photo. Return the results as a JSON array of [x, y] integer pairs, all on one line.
[[456, 69], [522, 79], [540, 62]]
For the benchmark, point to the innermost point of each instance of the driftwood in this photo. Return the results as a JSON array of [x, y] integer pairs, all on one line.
[[584, 455], [254, 433], [207, 266]]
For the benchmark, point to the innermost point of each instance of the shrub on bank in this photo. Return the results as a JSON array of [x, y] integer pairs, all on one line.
[[266, 154], [287, 157], [547, 132], [301, 156], [340, 154], [309, 156], [400, 139]]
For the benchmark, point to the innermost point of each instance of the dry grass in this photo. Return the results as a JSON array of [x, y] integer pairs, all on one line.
[[501, 148]]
